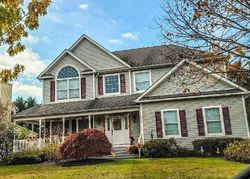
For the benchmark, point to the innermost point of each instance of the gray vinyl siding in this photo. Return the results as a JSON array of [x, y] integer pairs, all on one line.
[[235, 104], [96, 57], [182, 80], [135, 126], [89, 86], [46, 91], [67, 60], [127, 82], [156, 74]]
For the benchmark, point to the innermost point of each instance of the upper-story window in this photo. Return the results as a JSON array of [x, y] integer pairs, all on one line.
[[142, 80], [68, 83], [111, 84]]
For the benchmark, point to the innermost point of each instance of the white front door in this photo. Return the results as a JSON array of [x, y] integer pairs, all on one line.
[[117, 130]]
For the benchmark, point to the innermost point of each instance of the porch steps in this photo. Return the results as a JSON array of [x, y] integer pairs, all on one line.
[[121, 153]]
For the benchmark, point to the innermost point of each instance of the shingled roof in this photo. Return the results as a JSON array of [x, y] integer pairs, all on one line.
[[165, 54], [74, 107]]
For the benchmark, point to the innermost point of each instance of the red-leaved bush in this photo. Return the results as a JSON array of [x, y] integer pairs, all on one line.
[[86, 143]]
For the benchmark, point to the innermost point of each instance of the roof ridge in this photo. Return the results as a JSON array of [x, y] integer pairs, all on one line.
[[141, 48]]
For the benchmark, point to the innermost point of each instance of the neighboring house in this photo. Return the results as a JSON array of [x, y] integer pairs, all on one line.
[[137, 94], [5, 99]]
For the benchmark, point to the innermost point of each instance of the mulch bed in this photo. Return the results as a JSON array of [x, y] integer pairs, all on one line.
[[81, 162]]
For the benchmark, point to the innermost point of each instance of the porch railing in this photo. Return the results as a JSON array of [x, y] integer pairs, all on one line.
[[20, 145]]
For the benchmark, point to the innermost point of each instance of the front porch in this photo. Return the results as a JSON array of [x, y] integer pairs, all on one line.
[[122, 128]]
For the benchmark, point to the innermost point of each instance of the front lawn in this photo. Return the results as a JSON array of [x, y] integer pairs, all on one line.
[[131, 168]]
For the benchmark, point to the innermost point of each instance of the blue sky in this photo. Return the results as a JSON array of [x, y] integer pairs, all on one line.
[[115, 24]]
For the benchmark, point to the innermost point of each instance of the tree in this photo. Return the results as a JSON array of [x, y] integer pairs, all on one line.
[[15, 20], [221, 27], [23, 104], [20, 103], [6, 131], [31, 102]]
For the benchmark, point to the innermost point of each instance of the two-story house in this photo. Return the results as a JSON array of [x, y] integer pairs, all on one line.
[[136, 94]]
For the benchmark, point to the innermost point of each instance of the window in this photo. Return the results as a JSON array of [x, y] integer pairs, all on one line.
[[142, 81], [112, 84], [68, 84], [171, 122], [213, 120]]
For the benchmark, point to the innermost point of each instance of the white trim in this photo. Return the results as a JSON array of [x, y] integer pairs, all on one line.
[[81, 61], [217, 76], [245, 115], [160, 80], [221, 120], [194, 64], [104, 84], [150, 79], [65, 52], [191, 97], [98, 45], [141, 124], [163, 124], [67, 79]]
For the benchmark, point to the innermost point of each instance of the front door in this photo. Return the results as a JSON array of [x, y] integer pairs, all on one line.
[[117, 130]]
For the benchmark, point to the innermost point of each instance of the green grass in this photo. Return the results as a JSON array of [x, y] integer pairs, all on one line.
[[131, 168]]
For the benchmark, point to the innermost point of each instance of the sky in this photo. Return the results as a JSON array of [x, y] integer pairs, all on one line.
[[115, 24]]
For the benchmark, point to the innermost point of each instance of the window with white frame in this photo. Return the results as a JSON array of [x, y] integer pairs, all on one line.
[[213, 120], [68, 84], [141, 81], [171, 122], [111, 84]]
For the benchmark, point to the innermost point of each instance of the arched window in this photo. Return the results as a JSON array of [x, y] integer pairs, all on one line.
[[68, 83]]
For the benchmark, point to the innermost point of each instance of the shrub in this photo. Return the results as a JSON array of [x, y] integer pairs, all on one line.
[[51, 152], [162, 148], [86, 143], [212, 146], [25, 157], [238, 151], [6, 137]]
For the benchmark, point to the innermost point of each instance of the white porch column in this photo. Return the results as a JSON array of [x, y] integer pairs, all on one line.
[[93, 121], [40, 133], [32, 127], [89, 121], [14, 140], [77, 126], [50, 131], [70, 126], [63, 129]]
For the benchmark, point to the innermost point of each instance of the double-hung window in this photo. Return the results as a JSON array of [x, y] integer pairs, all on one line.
[[171, 124], [142, 81], [68, 84], [213, 120], [112, 84]]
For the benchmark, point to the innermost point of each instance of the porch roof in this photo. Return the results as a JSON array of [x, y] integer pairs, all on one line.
[[74, 107]]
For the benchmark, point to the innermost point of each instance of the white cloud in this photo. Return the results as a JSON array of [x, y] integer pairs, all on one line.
[[115, 41], [83, 6], [29, 59], [31, 39], [27, 90], [54, 17], [130, 36], [78, 25]]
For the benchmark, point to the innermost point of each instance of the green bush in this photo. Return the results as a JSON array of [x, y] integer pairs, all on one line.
[[238, 151], [212, 147], [51, 152], [158, 148], [25, 157]]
